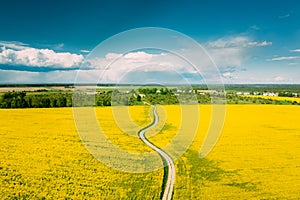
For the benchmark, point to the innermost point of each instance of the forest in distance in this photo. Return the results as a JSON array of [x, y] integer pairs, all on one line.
[[51, 96]]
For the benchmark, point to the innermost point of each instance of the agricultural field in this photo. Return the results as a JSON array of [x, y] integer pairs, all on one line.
[[257, 155], [42, 157], [290, 99]]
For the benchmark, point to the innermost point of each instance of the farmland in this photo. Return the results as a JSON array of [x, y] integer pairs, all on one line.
[[290, 99], [52, 96], [43, 157], [256, 157]]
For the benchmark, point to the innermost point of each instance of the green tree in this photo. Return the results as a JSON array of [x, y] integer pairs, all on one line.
[[62, 102], [46, 102]]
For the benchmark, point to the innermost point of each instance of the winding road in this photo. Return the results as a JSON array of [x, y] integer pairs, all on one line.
[[169, 178]]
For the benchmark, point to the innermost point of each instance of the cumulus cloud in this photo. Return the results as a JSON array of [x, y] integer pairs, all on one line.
[[114, 66], [228, 53], [139, 56], [18, 54]]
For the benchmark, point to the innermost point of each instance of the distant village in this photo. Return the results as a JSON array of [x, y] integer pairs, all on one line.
[[268, 94], [204, 92]]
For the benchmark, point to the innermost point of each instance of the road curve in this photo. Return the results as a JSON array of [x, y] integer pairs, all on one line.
[[170, 178]]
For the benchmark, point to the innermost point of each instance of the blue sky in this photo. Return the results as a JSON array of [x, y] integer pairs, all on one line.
[[250, 41]]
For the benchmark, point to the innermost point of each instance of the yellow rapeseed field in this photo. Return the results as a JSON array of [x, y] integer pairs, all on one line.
[[291, 99], [256, 157], [42, 157]]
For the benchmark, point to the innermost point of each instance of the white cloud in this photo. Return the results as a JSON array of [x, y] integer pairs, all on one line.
[[236, 42], [279, 78], [18, 54], [13, 45], [139, 56], [229, 51], [226, 52], [228, 42], [232, 51], [114, 66], [260, 44], [85, 51], [227, 75], [285, 58], [295, 50]]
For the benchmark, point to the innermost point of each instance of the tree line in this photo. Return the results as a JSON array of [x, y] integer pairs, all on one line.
[[22, 100], [45, 99]]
